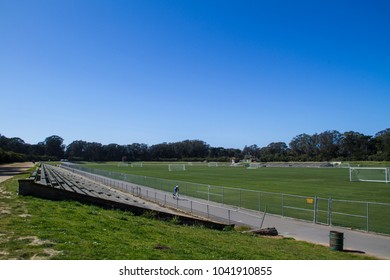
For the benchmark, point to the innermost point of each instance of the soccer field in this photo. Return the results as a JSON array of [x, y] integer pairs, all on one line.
[[322, 195], [322, 182]]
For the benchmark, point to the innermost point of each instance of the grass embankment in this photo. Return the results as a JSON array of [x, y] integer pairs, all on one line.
[[32, 228]]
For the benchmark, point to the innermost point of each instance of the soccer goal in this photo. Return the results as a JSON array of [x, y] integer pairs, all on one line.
[[369, 174], [254, 165], [136, 164], [176, 167], [123, 164], [212, 164]]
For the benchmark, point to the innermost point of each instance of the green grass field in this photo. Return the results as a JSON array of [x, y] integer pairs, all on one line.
[[297, 185], [322, 182]]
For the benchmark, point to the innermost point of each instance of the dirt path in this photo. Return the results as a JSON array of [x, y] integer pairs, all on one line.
[[9, 170]]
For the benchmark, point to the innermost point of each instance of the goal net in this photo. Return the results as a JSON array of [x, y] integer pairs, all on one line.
[[254, 165], [212, 164], [136, 164], [123, 164], [369, 174], [176, 167]]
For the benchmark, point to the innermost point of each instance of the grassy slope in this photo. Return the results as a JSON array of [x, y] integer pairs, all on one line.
[[33, 228]]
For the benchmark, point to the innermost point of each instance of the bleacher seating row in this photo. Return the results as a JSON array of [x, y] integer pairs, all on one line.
[[60, 178], [57, 183]]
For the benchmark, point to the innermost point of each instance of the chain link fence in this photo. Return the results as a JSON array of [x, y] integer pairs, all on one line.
[[362, 215]]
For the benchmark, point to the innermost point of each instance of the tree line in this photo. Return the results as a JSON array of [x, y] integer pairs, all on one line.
[[329, 145]]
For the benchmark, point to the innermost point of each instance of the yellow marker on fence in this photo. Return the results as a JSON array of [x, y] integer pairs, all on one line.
[[309, 200]]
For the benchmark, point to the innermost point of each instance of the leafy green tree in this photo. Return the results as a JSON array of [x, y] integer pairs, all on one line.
[[54, 147], [382, 144], [37, 150], [94, 151], [198, 149], [328, 144], [76, 150], [303, 147], [275, 151], [251, 152], [113, 152], [355, 146], [14, 144], [137, 152]]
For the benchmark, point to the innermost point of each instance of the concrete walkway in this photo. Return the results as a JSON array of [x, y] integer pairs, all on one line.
[[354, 241]]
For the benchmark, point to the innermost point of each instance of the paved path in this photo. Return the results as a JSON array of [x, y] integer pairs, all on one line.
[[7, 171], [354, 241]]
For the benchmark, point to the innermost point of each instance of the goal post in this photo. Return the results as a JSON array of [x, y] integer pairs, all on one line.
[[369, 174], [176, 167], [254, 165]]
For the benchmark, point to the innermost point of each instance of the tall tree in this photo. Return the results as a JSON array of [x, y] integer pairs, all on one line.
[[355, 146], [328, 143], [113, 152], [199, 149], [17, 145], [137, 152], [76, 150], [382, 143], [276, 151], [37, 150], [251, 152], [54, 146], [303, 146], [94, 151]]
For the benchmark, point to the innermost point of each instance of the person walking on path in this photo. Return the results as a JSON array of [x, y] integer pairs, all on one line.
[[176, 192]]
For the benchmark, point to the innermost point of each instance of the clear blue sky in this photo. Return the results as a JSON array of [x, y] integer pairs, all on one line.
[[230, 73]]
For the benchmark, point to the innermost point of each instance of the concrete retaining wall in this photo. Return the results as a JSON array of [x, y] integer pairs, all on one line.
[[28, 187]]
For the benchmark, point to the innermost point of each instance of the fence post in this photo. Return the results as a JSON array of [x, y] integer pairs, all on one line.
[[368, 217], [330, 210], [259, 200], [262, 220], [282, 205], [240, 199], [229, 216], [315, 209]]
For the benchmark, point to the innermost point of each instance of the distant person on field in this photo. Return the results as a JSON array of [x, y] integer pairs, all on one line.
[[176, 192]]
